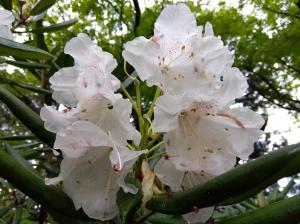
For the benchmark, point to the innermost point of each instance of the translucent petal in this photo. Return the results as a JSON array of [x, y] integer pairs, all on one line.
[[175, 20], [86, 53], [168, 174], [241, 127], [64, 85]]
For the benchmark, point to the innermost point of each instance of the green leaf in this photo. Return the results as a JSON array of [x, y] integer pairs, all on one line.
[[15, 49], [18, 215], [7, 4], [25, 64], [14, 154], [41, 6], [55, 27], [233, 186], [27, 116], [33, 185], [284, 211], [126, 201], [17, 137], [3, 211], [25, 86]]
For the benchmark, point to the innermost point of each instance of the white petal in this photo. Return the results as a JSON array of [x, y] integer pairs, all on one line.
[[92, 185], [167, 110], [117, 123], [80, 137], [143, 54], [242, 127], [92, 84], [168, 174], [88, 54], [55, 120], [64, 85], [175, 20], [6, 17], [234, 86], [197, 145], [208, 30], [5, 32], [199, 216]]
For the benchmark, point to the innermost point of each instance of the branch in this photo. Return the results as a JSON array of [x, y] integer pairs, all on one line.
[[281, 13], [233, 186], [137, 15]]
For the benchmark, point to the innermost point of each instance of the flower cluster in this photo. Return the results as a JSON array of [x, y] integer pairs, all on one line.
[[203, 133], [91, 130], [6, 19]]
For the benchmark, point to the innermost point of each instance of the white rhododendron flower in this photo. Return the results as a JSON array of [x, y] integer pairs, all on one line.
[[178, 180], [91, 74], [106, 121], [6, 19], [203, 133], [93, 180], [179, 57], [92, 135]]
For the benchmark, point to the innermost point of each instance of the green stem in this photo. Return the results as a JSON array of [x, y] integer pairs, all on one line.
[[139, 111], [150, 144], [124, 90], [151, 109], [154, 147]]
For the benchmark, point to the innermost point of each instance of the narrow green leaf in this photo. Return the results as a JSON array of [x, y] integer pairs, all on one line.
[[17, 138], [25, 86], [3, 211], [55, 27], [25, 64], [14, 154], [27, 116], [7, 4], [18, 215], [27, 145], [41, 6], [33, 186], [33, 153], [15, 49], [233, 186], [284, 211]]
